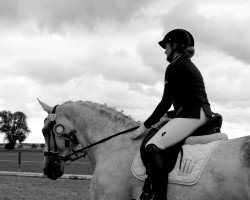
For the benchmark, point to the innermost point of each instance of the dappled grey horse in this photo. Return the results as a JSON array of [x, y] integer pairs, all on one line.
[[225, 176]]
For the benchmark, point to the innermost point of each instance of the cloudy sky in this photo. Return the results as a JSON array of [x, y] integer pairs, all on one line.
[[106, 51]]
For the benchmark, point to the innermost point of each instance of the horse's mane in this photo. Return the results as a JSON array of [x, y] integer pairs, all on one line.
[[104, 110]]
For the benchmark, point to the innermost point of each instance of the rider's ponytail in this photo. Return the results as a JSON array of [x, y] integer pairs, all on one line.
[[188, 52]]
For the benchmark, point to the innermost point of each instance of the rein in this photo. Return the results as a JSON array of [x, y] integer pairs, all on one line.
[[69, 157]]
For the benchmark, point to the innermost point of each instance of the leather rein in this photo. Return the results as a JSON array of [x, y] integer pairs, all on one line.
[[68, 137]]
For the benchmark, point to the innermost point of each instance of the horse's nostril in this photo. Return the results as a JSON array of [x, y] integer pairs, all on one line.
[[53, 174]]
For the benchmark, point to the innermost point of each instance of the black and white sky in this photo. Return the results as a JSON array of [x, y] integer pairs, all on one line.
[[107, 51]]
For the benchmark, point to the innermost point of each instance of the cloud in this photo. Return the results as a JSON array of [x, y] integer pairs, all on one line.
[[136, 87], [47, 71], [9, 12], [121, 67], [150, 91], [97, 89], [222, 44], [226, 78], [53, 15], [120, 62], [223, 31], [115, 65], [16, 93], [152, 55], [56, 59], [153, 92]]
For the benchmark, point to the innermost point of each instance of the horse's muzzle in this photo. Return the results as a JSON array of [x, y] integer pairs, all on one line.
[[53, 167]]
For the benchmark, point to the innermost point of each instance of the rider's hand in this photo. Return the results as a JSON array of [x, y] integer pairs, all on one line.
[[139, 132], [163, 120]]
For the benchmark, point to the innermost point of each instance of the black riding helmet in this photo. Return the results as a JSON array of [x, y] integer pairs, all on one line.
[[179, 36]]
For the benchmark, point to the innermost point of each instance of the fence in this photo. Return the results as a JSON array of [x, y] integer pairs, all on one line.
[[30, 163], [41, 175]]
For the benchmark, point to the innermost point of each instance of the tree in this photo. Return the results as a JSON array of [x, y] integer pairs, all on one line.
[[14, 126], [34, 146]]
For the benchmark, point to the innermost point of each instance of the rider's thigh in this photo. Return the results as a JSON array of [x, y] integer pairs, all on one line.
[[176, 130]]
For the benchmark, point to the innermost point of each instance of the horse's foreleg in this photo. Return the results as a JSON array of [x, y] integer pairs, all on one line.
[[106, 192], [112, 188]]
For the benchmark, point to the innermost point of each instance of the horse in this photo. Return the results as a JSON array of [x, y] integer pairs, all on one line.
[[225, 176]]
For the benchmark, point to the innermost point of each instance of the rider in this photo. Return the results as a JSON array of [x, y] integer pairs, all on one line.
[[185, 89]]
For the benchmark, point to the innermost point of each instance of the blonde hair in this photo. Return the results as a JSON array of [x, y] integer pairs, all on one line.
[[188, 52]]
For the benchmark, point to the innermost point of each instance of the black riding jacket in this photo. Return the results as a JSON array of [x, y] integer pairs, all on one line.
[[185, 89]]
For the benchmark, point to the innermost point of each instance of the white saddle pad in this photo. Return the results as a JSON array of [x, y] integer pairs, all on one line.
[[194, 160]]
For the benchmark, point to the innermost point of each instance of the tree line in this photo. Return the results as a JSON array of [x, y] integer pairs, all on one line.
[[14, 126]]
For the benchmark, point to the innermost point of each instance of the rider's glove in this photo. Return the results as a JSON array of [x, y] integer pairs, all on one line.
[[139, 132]]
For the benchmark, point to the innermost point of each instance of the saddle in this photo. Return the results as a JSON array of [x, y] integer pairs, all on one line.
[[212, 126], [171, 154]]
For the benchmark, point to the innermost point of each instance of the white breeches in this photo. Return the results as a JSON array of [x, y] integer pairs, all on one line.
[[176, 130]]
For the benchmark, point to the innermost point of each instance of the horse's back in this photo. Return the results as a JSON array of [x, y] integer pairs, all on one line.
[[226, 174]]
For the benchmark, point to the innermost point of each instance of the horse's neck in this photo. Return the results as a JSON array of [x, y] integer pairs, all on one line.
[[103, 128], [109, 149]]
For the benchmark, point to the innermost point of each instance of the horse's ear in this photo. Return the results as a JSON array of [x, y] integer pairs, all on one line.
[[46, 107]]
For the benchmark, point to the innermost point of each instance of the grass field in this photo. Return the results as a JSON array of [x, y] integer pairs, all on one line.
[[32, 161], [25, 188]]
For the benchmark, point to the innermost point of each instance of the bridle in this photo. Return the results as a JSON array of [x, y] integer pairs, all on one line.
[[70, 137], [67, 137]]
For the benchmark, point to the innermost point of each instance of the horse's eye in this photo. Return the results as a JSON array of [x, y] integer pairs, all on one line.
[[59, 129]]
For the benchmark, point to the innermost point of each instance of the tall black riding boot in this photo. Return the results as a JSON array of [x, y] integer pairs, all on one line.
[[157, 172]]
